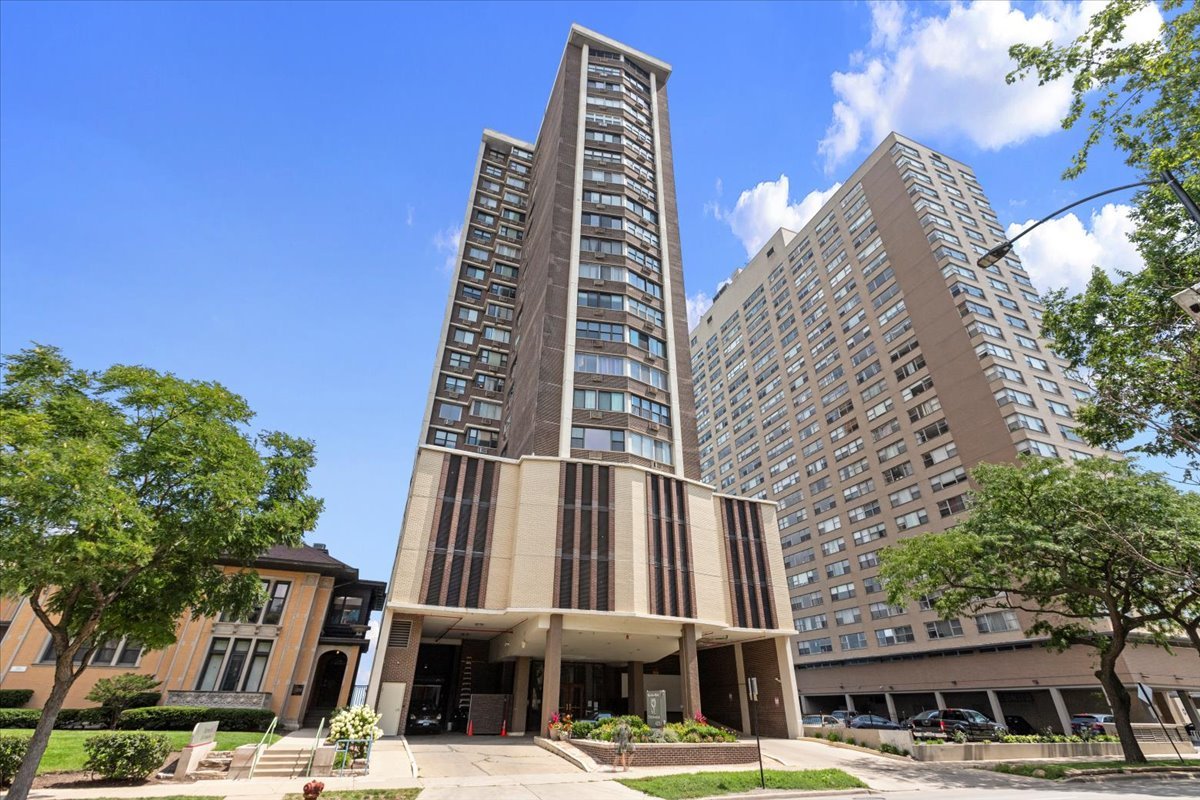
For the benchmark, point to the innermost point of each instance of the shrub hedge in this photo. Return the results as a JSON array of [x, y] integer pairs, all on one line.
[[19, 717], [12, 753], [14, 698], [27, 718], [126, 755], [184, 718], [688, 731]]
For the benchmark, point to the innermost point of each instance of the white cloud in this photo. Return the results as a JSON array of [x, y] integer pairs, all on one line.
[[446, 241], [766, 208], [697, 305], [408, 215], [1062, 252], [943, 75]]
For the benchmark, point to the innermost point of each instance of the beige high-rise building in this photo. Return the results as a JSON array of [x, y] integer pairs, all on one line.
[[854, 372], [559, 553]]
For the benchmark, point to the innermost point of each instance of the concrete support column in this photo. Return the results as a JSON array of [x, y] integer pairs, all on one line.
[[1060, 706], [997, 711], [743, 694], [1189, 707], [939, 699], [689, 671], [849, 702], [891, 706], [637, 689], [552, 673], [520, 696], [787, 685]]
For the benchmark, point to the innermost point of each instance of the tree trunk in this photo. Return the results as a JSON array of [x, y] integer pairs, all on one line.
[[64, 677], [1118, 698]]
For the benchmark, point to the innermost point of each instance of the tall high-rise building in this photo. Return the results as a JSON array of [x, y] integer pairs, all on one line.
[[854, 372], [558, 551]]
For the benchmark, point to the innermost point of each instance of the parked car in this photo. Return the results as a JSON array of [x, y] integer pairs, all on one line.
[[821, 720], [1090, 724], [873, 722], [599, 716], [946, 723], [843, 716], [1019, 725], [426, 719]]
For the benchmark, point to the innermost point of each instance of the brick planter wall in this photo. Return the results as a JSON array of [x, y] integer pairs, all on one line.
[[670, 755]]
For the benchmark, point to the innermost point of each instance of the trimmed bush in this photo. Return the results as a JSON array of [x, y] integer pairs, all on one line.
[[126, 755], [14, 698], [581, 729], [12, 753], [19, 717], [184, 718], [145, 699], [688, 731]]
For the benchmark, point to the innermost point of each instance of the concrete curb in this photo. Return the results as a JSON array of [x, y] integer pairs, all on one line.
[[412, 761], [1175, 773]]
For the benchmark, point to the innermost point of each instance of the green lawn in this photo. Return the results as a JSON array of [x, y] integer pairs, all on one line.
[[360, 794], [65, 752], [1057, 770], [705, 784]]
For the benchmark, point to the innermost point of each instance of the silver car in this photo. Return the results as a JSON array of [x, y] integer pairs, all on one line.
[[821, 721]]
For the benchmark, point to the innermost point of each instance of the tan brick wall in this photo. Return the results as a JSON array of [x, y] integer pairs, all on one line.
[[178, 666], [400, 663]]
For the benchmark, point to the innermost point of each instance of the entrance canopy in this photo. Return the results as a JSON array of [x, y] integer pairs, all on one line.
[[607, 637]]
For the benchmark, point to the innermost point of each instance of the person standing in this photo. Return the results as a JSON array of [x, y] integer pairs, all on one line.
[[623, 739]]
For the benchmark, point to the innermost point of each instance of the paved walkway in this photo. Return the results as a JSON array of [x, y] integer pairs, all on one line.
[[451, 756], [488, 768]]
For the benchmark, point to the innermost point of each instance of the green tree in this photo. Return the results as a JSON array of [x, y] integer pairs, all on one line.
[[1138, 349], [119, 490], [1094, 554], [115, 694]]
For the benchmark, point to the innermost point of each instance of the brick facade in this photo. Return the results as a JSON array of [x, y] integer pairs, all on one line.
[[672, 755], [762, 662]]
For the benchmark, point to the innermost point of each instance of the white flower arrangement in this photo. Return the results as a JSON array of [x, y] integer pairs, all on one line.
[[355, 722]]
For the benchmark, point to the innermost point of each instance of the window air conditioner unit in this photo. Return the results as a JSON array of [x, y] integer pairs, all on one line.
[[595, 415]]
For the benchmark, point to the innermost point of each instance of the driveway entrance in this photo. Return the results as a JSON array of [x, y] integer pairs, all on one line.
[[456, 756]]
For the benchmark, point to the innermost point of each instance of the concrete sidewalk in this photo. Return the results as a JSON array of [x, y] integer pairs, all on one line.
[[480, 769]]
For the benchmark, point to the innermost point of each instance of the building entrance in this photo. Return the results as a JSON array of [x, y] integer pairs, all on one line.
[[585, 689]]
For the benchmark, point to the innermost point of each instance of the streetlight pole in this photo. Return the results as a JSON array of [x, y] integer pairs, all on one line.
[[1165, 177]]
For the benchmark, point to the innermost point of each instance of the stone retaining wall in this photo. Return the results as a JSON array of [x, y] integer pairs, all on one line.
[[176, 697], [669, 755], [989, 751]]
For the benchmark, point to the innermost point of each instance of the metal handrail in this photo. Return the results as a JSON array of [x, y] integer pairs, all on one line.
[[262, 745], [312, 754]]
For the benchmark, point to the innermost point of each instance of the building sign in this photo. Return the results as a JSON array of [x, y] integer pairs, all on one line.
[[656, 708], [203, 733]]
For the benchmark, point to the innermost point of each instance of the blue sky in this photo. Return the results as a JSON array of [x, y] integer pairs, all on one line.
[[260, 193]]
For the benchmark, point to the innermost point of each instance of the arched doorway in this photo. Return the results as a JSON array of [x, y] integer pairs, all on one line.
[[327, 686]]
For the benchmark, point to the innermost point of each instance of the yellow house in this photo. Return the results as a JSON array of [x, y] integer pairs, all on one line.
[[296, 655]]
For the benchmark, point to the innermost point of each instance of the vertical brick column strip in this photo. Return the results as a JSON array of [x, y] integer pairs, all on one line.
[[438, 543]]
